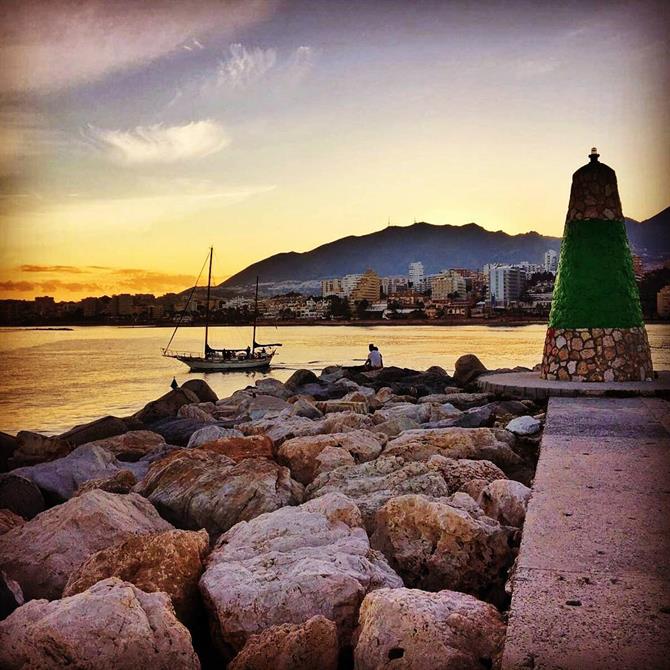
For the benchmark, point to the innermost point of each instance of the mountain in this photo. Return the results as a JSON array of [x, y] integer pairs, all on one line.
[[389, 252]]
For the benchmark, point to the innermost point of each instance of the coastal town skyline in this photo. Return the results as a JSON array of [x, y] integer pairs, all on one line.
[[134, 137]]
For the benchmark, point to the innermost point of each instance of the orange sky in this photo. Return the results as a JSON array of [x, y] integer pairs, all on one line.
[[131, 140]]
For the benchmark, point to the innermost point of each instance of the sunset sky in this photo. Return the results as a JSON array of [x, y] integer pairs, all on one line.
[[135, 134]]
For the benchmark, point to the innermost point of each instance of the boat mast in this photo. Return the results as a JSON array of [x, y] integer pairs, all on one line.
[[253, 341], [209, 285]]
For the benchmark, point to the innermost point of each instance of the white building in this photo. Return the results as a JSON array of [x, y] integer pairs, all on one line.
[[416, 275], [506, 284], [349, 283], [446, 284], [331, 287], [550, 261], [392, 284]]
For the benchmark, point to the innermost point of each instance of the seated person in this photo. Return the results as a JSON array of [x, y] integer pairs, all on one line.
[[374, 360]]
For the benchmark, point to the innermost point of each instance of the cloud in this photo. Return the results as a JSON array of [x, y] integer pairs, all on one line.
[[50, 268], [49, 286], [245, 66], [50, 45], [159, 143]]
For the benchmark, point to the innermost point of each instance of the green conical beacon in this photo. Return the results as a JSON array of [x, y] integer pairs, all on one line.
[[596, 332]]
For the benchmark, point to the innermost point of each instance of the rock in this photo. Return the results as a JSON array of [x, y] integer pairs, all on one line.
[[210, 434], [476, 417], [505, 500], [112, 626], [524, 425], [197, 413], [406, 628], [279, 430], [464, 401], [9, 520], [394, 426], [307, 646], [239, 448], [371, 484], [435, 544], [341, 422], [300, 378], [59, 479], [384, 394], [130, 446], [290, 565], [420, 413], [437, 370], [300, 453], [201, 389], [35, 448], [178, 431], [434, 398], [8, 445], [302, 407], [122, 482], [273, 387], [166, 406], [194, 489], [457, 472], [468, 368], [42, 553], [20, 495], [100, 429], [474, 487], [332, 372], [331, 458], [506, 407], [11, 596], [171, 561], [473, 443], [265, 405], [330, 406]]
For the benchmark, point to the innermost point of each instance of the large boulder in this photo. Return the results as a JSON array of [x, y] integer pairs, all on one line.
[[303, 407], [170, 561], [301, 453], [505, 500], [466, 401], [202, 412], [59, 479], [282, 428], [420, 413], [36, 448], [271, 386], [11, 596], [121, 482], [394, 426], [211, 433], [8, 445], [407, 628], [474, 443], [457, 472], [239, 448], [166, 406], [195, 488], [130, 446], [467, 369], [342, 422], [201, 389], [42, 553], [9, 520], [437, 544], [112, 626], [291, 565], [265, 406], [524, 425], [100, 429], [371, 484], [307, 646], [20, 495], [300, 378], [179, 430]]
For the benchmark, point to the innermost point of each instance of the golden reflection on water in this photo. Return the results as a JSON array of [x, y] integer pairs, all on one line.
[[52, 380]]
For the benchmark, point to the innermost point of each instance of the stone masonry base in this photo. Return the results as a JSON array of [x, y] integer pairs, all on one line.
[[597, 355]]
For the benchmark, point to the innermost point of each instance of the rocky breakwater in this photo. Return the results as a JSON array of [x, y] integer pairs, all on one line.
[[347, 519]]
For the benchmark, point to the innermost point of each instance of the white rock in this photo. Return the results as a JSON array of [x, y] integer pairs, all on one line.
[[524, 425]]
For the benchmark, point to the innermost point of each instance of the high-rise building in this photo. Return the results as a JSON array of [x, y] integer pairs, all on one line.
[[416, 275], [638, 267], [349, 283], [506, 284], [447, 284], [392, 284], [663, 302], [367, 288], [331, 287], [550, 261]]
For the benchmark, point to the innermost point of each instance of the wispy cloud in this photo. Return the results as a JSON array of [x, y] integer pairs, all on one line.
[[46, 46], [245, 66], [51, 268], [48, 286], [159, 143]]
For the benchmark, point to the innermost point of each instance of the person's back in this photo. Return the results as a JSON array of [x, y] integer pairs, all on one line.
[[375, 360]]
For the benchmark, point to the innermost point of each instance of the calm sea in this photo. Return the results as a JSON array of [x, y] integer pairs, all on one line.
[[52, 380]]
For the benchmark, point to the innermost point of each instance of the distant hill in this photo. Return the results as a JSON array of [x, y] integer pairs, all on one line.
[[389, 251]]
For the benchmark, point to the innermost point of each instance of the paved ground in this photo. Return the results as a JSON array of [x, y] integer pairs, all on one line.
[[530, 385], [592, 588]]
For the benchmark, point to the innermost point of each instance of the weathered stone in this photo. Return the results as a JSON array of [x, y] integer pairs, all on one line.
[[457, 472], [524, 425], [20, 495], [301, 453], [300, 378], [9, 520], [239, 448], [42, 553], [303, 407], [35, 448], [330, 458], [130, 446], [435, 544], [121, 482], [8, 446], [465, 401], [11, 596], [342, 422], [100, 429], [394, 426], [273, 387], [290, 565], [474, 487], [197, 413], [420, 413], [171, 561], [406, 628], [371, 484], [468, 368], [473, 443], [194, 489], [112, 626], [505, 500], [178, 430], [475, 417], [330, 406], [307, 646], [265, 406], [211, 433], [166, 406], [201, 389]]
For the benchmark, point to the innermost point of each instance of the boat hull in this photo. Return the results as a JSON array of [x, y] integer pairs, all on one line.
[[199, 364]]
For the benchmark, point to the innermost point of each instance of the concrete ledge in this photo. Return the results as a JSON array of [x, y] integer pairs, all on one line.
[[530, 385]]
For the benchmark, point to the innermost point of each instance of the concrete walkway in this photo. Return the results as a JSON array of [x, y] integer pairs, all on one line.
[[592, 588]]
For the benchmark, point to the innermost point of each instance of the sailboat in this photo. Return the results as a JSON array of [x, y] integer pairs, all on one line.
[[255, 357]]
